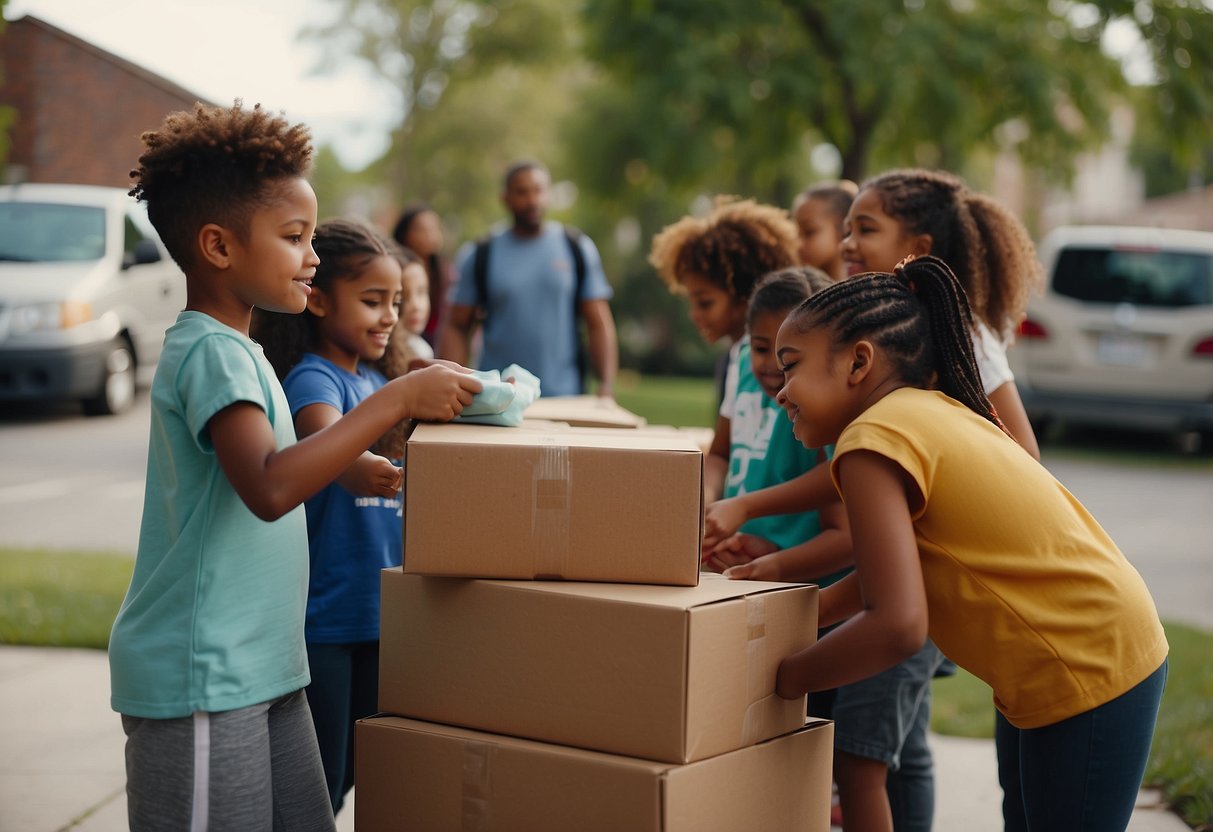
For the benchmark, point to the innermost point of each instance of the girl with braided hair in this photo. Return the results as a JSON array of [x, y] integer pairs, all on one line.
[[960, 536], [915, 211]]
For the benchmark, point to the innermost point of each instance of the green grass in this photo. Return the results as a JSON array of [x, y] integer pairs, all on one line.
[[1181, 761], [60, 599], [666, 400]]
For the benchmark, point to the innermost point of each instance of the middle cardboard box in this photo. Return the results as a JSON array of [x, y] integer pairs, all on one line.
[[674, 674], [546, 500]]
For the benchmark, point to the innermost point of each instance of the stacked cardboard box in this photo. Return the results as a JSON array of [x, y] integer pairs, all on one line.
[[622, 697], [552, 501]]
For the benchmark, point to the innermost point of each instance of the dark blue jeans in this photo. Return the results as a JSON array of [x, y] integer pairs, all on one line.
[[1081, 774], [344, 689]]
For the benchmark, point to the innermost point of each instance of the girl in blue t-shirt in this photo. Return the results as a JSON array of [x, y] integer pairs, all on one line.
[[331, 357]]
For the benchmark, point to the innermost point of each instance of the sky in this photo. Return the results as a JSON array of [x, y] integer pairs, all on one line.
[[249, 49]]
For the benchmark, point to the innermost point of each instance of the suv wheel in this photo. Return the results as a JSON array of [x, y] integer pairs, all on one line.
[[117, 391]]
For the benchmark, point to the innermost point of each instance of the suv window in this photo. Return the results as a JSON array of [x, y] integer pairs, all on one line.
[[1140, 276], [44, 232]]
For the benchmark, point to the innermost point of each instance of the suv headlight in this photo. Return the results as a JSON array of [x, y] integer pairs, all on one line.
[[40, 317]]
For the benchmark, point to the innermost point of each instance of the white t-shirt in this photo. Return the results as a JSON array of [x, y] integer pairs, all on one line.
[[729, 403], [991, 353]]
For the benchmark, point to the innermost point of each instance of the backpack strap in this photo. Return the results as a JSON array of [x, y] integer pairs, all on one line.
[[573, 237], [480, 273]]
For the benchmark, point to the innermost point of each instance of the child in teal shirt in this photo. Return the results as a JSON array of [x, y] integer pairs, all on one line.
[[763, 451], [207, 659]]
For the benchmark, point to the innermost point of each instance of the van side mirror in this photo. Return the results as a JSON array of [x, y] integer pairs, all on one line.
[[145, 251]]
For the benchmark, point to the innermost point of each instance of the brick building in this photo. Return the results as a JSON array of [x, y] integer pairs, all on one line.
[[79, 109]]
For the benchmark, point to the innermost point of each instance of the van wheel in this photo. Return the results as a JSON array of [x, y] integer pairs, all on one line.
[[1194, 442], [117, 392]]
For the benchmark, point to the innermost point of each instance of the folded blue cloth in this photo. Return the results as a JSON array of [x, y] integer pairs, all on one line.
[[501, 402]]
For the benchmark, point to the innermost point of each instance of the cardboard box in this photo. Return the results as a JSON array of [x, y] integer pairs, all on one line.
[[702, 437], [674, 674], [584, 411], [553, 502], [434, 778]]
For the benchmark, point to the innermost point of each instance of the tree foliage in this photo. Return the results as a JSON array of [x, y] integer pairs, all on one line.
[[651, 105], [481, 82], [884, 81]]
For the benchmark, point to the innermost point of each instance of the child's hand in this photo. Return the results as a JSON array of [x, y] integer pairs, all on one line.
[[372, 476], [737, 550], [721, 519], [765, 568], [439, 393]]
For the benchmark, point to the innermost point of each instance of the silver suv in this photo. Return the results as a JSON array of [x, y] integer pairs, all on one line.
[[1123, 335], [86, 292]]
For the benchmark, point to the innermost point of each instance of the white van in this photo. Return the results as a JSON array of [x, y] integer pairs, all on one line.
[[87, 290], [1123, 334]]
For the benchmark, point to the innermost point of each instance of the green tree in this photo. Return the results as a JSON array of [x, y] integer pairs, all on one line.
[[481, 83], [891, 82]]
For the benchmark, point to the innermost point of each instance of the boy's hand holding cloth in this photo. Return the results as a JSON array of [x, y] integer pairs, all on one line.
[[501, 402]]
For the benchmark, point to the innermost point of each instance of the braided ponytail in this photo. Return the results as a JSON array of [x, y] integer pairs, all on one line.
[[919, 316], [946, 306]]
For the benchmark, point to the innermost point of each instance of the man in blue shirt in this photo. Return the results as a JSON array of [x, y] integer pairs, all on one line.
[[537, 280]]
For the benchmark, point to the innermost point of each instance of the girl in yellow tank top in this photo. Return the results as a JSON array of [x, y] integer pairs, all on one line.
[[961, 535]]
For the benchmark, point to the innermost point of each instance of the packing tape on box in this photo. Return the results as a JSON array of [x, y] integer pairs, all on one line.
[[477, 788], [758, 686], [551, 498]]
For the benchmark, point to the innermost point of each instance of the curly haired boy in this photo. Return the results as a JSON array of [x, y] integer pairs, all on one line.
[[207, 659]]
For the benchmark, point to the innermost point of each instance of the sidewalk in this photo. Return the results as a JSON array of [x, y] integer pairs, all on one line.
[[62, 766]]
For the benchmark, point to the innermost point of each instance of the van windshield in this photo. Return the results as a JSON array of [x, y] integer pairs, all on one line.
[[44, 232], [1139, 276]]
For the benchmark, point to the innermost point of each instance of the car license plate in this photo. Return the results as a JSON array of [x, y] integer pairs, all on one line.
[[1121, 350]]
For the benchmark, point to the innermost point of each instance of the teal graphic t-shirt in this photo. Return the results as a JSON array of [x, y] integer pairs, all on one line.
[[763, 452]]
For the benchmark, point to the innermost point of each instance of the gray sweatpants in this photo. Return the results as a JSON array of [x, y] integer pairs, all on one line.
[[254, 769]]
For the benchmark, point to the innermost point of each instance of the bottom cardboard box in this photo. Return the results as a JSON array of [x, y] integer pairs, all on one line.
[[422, 776]]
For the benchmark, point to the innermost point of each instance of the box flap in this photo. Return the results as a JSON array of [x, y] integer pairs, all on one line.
[[584, 411], [712, 589]]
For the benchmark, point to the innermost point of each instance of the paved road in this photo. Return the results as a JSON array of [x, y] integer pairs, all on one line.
[[71, 481]]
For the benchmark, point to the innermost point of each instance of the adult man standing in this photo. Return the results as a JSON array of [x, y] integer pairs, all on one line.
[[532, 283]]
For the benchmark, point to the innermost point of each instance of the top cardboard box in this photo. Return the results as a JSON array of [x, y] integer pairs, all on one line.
[[584, 411], [546, 501]]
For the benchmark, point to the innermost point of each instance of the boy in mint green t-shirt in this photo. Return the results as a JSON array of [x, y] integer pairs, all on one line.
[[207, 657]]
